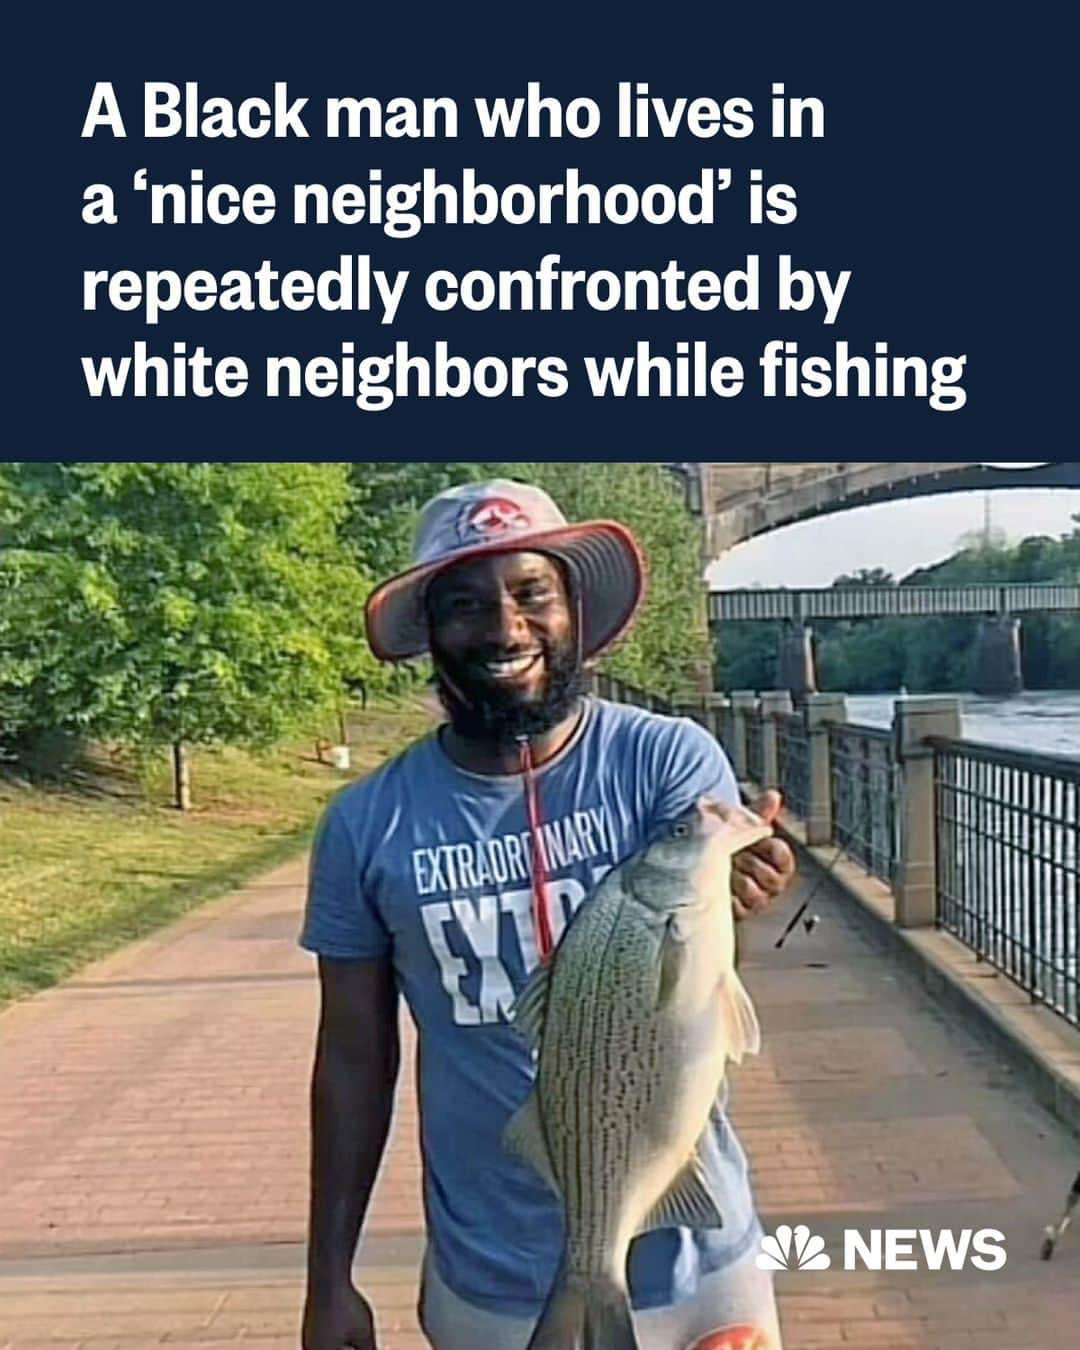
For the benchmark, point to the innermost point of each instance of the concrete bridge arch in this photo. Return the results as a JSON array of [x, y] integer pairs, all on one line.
[[740, 501]]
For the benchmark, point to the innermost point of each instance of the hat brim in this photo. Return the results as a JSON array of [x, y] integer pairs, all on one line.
[[603, 555]]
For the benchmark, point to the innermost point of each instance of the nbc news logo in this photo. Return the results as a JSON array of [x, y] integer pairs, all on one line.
[[793, 1249], [884, 1249]]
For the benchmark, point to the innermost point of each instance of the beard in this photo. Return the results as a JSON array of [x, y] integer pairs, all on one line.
[[502, 716]]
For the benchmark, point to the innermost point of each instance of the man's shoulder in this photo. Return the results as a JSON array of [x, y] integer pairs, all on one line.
[[649, 727], [667, 749]]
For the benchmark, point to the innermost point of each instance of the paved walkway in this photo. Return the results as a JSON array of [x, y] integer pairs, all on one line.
[[153, 1148]]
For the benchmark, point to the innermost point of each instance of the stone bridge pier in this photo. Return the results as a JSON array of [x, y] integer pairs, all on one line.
[[997, 666], [795, 667]]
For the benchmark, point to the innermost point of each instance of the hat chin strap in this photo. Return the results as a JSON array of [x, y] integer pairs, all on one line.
[[545, 941]]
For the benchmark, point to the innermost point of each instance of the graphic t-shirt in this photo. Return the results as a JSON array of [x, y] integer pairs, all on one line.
[[427, 865]]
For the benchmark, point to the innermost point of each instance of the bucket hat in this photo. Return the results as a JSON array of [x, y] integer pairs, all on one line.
[[503, 516]]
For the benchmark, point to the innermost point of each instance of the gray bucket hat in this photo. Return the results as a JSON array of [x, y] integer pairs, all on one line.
[[502, 516]]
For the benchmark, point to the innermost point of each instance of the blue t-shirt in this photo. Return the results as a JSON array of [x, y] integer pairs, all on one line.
[[427, 865]]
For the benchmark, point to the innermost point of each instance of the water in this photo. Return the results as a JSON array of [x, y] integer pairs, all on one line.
[[1046, 722]]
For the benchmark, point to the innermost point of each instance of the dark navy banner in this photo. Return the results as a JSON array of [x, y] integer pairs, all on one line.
[[825, 233]]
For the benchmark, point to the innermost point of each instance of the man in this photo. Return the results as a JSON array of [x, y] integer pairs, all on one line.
[[444, 875]]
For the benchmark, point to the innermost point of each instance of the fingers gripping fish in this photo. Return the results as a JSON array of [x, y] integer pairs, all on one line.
[[633, 1022]]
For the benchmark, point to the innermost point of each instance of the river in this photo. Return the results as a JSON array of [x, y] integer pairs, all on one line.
[[1046, 721]]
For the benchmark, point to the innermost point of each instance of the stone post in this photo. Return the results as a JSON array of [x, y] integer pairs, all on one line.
[[696, 709], [914, 720], [743, 701], [718, 705], [818, 711], [773, 702]]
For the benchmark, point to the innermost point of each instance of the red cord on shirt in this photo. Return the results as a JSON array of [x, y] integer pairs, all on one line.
[[541, 918]]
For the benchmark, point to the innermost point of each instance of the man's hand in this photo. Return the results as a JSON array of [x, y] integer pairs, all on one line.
[[338, 1321], [764, 871]]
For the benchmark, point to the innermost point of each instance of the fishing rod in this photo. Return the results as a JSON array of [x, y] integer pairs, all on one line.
[[1056, 1231], [812, 922]]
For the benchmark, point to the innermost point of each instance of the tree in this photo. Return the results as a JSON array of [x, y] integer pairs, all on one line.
[[386, 500], [223, 606], [52, 607], [866, 576], [746, 655]]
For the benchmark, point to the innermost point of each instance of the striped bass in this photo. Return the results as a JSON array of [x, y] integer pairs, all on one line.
[[633, 1021]]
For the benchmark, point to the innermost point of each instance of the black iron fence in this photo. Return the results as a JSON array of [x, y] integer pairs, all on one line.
[[755, 746], [1006, 830], [622, 691], [1008, 863], [865, 791], [793, 762]]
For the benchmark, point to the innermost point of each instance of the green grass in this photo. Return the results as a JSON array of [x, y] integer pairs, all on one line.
[[84, 870]]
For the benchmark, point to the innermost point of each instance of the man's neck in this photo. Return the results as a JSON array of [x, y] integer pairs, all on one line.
[[480, 755]]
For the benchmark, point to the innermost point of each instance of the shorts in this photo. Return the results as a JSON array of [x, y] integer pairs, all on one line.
[[733, 1309]]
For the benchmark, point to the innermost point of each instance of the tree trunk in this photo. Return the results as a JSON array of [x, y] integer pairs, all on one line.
[[181, 776]]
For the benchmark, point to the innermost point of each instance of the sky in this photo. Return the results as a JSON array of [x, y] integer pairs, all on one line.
[[898, 536]]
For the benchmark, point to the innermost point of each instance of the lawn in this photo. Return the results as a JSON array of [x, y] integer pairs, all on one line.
[[84, 869]]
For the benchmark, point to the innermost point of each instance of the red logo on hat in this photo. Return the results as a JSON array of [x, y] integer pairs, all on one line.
[[493, 517]]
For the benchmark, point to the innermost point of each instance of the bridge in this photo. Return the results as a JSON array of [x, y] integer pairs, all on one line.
[[998, 667], [867, 602], [741, 501]]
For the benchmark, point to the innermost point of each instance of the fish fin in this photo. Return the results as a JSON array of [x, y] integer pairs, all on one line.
[[524, 1137], [595, 1316], [687, 1203], [528, 1012], [742, 1032], [673, 953]]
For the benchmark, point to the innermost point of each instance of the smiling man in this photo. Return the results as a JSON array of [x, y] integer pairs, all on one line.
[[446, 875]]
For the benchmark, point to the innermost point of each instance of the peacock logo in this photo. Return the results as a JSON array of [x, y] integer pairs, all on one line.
[[793, 1249]]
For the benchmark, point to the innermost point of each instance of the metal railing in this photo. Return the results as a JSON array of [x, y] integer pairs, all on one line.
[[755, 746], [849, 602], [726, 727], [793, 762], [1008, 864], [622, 691], [865, 790], [1005, 828]]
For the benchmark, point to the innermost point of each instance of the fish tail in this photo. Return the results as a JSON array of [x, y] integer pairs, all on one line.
[[595, 1316]]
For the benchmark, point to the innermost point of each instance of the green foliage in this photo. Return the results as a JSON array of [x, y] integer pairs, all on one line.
[[160, 603], [746, 656], [386, 500], [866, 576], [56, 644]]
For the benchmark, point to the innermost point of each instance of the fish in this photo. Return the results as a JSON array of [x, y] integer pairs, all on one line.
[[632, 1021]]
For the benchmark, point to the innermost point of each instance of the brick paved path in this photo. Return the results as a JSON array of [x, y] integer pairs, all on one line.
[[153, 1148]]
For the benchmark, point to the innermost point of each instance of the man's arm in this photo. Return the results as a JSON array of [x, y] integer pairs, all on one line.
[[352, 1094]]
